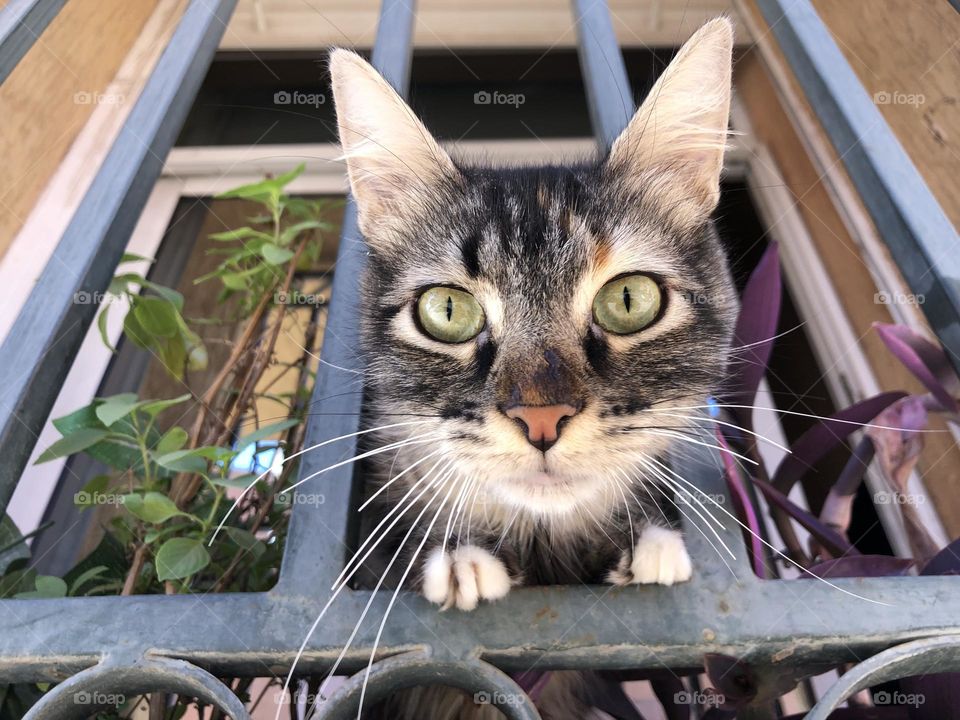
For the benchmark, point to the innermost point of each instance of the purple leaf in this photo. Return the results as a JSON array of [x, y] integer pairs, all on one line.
[[945, 562], [826, 435], [896, 440], [756, 326], [830, 539], [532, 682], [861, 566], [742, 504], [927, 362]]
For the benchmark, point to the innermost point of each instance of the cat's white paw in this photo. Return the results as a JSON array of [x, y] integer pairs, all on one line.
[[660, 557], [464, 576]]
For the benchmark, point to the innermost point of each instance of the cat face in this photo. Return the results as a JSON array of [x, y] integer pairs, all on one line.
[[543, 321]]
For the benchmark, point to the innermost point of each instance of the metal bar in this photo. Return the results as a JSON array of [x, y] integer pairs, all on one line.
[[235, 634], [316, 541], [21, 24], [40, 347], [923, 242], [604, 74]]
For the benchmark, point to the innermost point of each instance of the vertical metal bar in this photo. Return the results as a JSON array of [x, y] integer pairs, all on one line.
[[923, 242], [604, 74], [315, 544], [21, 23], [41, 345]]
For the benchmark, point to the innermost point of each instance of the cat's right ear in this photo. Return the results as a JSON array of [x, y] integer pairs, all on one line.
[[393, 162]]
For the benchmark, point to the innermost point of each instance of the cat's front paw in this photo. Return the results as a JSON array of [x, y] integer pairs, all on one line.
[[660, 557], [464, 576]]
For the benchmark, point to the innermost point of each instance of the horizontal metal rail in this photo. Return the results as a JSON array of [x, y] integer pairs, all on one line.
[[40, 347]]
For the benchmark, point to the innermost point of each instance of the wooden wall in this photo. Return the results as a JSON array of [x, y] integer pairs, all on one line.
[[53, 91]]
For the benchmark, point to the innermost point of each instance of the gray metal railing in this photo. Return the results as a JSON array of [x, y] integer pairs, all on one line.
[[182, 643]]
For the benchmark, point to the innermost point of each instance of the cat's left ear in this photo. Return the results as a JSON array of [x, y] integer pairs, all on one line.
[[675, 142], [393, 162]]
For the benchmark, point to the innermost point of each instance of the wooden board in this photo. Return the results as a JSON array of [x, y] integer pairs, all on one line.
[[843, 260], [53, 91]]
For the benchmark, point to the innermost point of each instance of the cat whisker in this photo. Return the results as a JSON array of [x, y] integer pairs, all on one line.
[[673, 502], [249, 487], [771, 547], [347, 573], [802, 414], [396, 593], [685, 438], [396, 477], [727, 424], [417, 440]]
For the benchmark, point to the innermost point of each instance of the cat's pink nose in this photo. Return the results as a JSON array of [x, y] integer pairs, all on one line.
[[542, 422]]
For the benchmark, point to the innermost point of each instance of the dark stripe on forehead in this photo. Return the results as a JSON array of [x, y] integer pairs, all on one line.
[[470, 250]]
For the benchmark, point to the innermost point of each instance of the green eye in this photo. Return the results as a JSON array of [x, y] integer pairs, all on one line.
[[627, 304], [450, 315]]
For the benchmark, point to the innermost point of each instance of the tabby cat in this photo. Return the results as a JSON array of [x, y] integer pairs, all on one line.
[[544, 331]]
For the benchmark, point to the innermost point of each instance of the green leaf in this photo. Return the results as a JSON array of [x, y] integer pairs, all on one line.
[[72, 443], [290, 234], [116, 454], [135, 331], [234, 281], [265, 189], [102, 327], [116, 407], [156, 315], [173, 355], [274, 254], [132, 257], [174, 439], [168, 294], [13, 546], [181, 557], [246, 541], [47, 586], [86, 577], [152, 507], [243, 233], [265, 432], [155, 407], [182, 461]]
